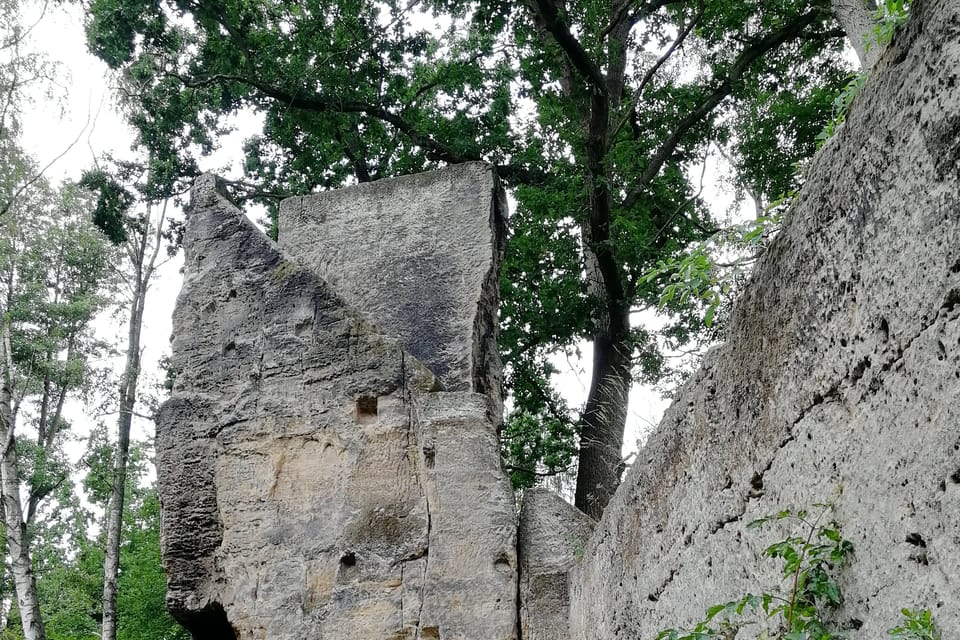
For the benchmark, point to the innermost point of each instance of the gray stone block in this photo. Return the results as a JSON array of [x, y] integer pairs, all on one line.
[[420, 254]]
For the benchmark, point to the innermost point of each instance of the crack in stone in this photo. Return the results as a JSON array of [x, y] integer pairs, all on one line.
[[720, 524], [655, 596], [411, 422], [834, 392], [756, 482]]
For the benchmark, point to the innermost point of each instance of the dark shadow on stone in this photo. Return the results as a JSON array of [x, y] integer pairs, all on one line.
[[209, 623]]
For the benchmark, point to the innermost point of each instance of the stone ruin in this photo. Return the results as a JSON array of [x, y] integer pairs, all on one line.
[[323, 476], [328, 462]]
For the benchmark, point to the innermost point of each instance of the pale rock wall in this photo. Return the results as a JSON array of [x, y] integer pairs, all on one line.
[[405, 251], [842, 371], [314, 482], [552, 537]]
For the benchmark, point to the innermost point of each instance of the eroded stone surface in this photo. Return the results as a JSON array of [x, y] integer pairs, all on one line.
[[842, 371], [420, 254], [313, 482], [553, 536]]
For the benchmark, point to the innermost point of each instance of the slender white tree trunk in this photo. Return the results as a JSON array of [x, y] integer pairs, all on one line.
[[143, 250], [18, 545], [128, 398]]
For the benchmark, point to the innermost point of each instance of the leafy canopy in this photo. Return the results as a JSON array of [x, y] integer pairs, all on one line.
[[595, 112]]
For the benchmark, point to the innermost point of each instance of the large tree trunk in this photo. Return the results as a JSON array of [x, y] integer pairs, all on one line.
[[856, 18], [18, 545], [605, 415], [602, 426]]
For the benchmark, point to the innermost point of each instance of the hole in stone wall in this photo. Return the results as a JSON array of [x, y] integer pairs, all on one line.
[[348, 567], [232, 294], [230, 348], [366, 409], [502, 563], [429, 455], [916, 539], [302, 327], [209, 623]]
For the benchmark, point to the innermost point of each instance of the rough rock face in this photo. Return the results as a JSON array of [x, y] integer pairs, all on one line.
[[314, 481], [842, 372], [552, 537], [397, 250]]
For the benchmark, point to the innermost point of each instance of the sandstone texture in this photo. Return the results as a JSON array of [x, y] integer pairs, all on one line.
[[552, 537], [398, 250], [840, 381], [316, 480]]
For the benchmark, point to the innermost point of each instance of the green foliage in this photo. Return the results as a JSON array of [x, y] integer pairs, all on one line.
[[113, 203], [890, 16], [537, 445], [841, 104], [916, 625], [142, 588], [362, 90], [811, 559], [699, 275]]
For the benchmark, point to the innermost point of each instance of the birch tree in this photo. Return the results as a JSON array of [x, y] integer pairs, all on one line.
[[140, 236], [52, 264]]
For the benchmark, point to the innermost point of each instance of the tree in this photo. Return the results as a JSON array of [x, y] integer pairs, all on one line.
[[593, 111], [141, 585], [52, 264], [142, 236]]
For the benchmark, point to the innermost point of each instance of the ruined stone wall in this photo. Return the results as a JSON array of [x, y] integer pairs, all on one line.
[[328, 463], [841, 373], [317, 480]]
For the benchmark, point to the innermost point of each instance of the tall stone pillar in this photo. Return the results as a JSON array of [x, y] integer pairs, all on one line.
[[322, 477]]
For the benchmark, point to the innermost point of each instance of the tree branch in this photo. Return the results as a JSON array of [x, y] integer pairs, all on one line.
[[549, 14], [740, 66], [436, 150], [648, 76]]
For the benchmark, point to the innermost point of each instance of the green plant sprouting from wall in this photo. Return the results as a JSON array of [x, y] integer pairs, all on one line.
[[841, 105], [812, 557], [701, 275], [889, 16], [916, 625]]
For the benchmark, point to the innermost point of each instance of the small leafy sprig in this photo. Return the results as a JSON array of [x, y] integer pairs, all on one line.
[[811, 560], [916, 625], [889, 16], [699, 275]]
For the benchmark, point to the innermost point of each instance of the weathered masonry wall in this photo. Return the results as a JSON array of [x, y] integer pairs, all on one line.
[[317, 479], [399, 254], [328, 464], [841, 373]]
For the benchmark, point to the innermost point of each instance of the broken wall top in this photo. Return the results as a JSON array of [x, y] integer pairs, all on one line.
[[419, 255]]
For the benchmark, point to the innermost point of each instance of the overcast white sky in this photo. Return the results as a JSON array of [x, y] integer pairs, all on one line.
[[84, 115]]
